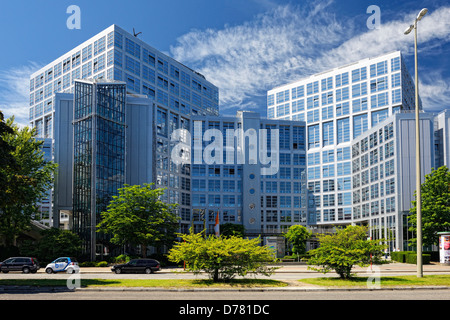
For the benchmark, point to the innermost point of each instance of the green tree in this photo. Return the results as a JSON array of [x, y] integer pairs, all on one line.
[[6, 157], [435, 192], [137, 216], [222, 257], [232, 229], [297, 236], [25, 180], [54, 243], [344, 249]]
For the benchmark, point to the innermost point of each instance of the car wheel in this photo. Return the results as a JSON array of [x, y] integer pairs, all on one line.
[[70, 271], [118, 271], [148, 270], [5, 271], [26, 270], [49, 270]]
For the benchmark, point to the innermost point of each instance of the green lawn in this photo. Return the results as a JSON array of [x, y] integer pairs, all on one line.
[[361, 281], [86, 283]]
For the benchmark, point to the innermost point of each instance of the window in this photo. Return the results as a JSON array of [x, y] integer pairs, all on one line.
[[343, 168], [298, 92], [328, 171], [342, 109], [327, 98], [328, 133], [312, 102], [378, 69], [360, 125], [379, 100], [379, 116], [298, 105], [359, 74], [99, 46], [313, 136], [359, 89], [379, 84], [312, 88], [328, 185], [313, 158], [395, 64], [283, 96], [327, 84], [396, 96], [313, 116], [343, 130], [342, 79], [360, 105], [270, 100], [133, 48], [327, 156]]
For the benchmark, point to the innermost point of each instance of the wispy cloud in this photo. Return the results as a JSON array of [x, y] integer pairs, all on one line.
[[290, 42], [15, 92]]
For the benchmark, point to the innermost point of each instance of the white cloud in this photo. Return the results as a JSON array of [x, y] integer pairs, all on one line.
[[290, 42], [15, 92]]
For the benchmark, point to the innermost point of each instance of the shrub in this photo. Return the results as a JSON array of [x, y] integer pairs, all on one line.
[[102, 264], [412, 258], [344, 249], [222, 257]]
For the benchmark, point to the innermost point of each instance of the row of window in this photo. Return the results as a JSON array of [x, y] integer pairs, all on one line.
[[341, 80], [329, 112]]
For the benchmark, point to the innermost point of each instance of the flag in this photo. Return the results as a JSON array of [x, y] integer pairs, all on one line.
[[217, 225]]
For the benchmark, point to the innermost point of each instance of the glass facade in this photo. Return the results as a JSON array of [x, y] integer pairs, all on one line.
[[99, 154], [339, 106], [226, 188]]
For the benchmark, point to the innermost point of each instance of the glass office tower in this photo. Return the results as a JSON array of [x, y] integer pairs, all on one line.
[[338, 106], [177, 91], [99, 154]]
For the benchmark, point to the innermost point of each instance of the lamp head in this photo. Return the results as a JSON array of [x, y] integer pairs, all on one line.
[[407, 31], [422, 13]]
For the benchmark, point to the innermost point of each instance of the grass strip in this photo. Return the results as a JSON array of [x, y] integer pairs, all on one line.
[[361, 281], [163, 283]]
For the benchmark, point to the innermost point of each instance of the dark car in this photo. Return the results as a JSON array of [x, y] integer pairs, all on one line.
[[138, 266], [24, 264]]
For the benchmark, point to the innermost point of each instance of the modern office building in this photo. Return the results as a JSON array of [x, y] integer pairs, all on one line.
[[361, 143], [177, 91], [384, 175], [263, 188], [338, 106]]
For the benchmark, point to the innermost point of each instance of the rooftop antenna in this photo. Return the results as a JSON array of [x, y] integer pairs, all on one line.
[[136, 34]]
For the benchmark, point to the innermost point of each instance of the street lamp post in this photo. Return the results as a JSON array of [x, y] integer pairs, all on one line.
[[422, 13]]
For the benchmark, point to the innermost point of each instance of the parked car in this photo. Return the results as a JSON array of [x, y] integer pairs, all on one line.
[[63, 264], [138, 266], [24, 264]]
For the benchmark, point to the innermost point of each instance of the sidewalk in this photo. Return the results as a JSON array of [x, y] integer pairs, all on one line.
[[303, 268]]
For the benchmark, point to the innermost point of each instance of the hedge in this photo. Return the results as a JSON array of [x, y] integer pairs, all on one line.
[[409, 257]]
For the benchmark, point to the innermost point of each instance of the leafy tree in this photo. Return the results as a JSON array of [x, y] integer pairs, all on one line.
[[222, 257], [232, 229], [435, 192], [25, 180], [6, 158], [297, 236], [137, 216], [344, 249], [54, 243]]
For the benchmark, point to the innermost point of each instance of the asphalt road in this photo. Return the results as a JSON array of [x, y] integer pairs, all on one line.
[[413, 294]]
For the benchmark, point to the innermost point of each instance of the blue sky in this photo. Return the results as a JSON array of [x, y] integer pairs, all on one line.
[[245, 47]]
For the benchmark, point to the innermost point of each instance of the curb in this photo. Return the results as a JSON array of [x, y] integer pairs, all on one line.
[[28, 289]]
